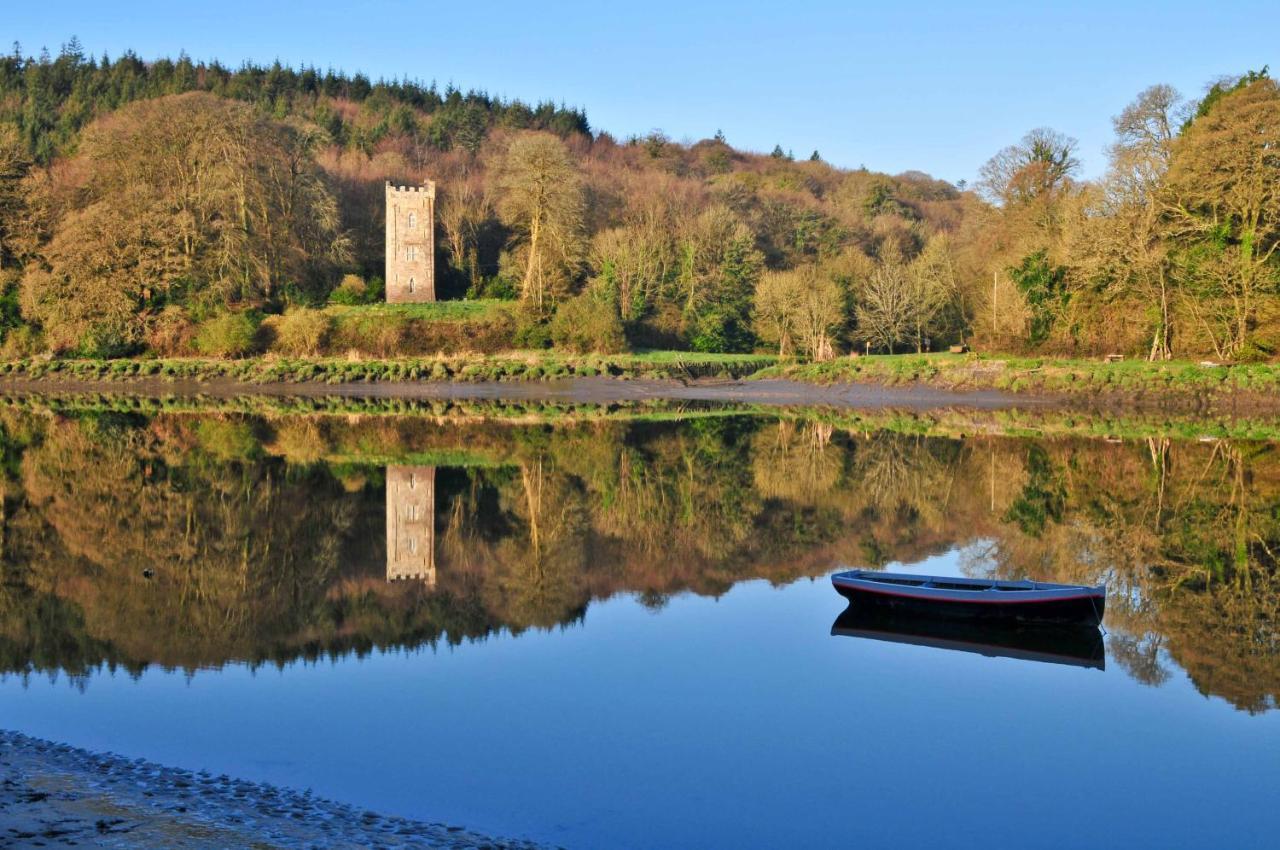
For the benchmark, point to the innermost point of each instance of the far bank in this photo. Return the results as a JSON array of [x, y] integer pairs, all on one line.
[[931, 379]]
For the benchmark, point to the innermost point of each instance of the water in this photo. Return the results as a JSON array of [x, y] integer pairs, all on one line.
[[622, 636]]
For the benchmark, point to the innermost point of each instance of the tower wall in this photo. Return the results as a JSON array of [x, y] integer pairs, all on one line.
[[411, 243], [411, 523]]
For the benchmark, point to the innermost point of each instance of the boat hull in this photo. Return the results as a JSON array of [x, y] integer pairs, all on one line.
[[1058, 605]]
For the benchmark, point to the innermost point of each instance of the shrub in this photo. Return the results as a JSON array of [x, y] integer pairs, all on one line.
[[22, 341], [588, 322], [228, 335], [503, 288], [302, 330], [10, 315], [353, 290], [105, 339], [170, 331], [531, 330]]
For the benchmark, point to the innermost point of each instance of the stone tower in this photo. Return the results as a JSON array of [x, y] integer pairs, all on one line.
[[411, 523], [411, 243]]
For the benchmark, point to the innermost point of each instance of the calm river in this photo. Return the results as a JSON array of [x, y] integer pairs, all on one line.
[[620, 632]]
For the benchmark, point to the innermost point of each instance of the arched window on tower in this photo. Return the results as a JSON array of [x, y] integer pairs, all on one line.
[[411, 284]]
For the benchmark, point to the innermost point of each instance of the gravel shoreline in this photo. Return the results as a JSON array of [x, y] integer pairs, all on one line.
[[54, 795]]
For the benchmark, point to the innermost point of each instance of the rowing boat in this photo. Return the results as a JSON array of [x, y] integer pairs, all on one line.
[[1025, 601]]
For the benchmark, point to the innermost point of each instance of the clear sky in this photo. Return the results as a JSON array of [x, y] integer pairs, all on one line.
[[933, 86]]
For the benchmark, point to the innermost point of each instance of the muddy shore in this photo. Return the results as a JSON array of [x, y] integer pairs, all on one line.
[[597, 390], [53, 795]]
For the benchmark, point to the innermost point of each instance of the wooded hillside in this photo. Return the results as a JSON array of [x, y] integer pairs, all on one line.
[[164, 206]]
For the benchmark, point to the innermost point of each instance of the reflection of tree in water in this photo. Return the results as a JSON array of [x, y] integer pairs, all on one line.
[[259, 543], [795, 461], [1185, 536], [203, 551], [537, 572]]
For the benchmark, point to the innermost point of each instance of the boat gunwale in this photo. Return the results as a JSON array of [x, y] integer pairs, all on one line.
[[1037, 593]]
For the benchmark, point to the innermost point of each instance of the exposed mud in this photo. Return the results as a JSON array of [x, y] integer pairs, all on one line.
[[52, 795]]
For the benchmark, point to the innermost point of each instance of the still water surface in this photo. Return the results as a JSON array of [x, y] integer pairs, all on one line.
[[620, 634]]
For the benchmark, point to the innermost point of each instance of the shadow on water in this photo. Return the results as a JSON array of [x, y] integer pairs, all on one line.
[[1074, 646]]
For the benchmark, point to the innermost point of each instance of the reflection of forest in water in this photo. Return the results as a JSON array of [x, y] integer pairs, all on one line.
[[186, 540]]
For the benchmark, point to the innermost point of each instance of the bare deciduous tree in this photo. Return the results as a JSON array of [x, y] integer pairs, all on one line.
[[542, 201], [884, 309]]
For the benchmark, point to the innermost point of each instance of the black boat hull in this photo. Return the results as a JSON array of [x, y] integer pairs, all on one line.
[[1077, 609]]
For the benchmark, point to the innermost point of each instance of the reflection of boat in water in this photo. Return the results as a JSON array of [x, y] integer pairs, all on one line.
[[1075, 645], [972, 598]]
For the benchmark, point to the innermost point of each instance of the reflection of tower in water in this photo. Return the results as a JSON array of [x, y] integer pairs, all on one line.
[[411, 523]]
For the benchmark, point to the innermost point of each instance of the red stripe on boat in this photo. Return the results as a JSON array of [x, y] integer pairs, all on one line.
[[928, 598]]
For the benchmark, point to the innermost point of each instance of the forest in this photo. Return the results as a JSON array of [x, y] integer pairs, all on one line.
[[176, 207]]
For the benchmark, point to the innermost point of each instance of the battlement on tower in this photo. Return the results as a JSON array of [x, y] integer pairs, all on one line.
[[429, 189]]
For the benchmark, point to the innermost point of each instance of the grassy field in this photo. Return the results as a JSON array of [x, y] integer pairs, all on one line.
[[437, 311]]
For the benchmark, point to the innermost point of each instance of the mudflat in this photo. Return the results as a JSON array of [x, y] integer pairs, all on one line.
[[53, 795]]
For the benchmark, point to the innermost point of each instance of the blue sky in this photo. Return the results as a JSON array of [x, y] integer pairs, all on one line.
[[937, 87]]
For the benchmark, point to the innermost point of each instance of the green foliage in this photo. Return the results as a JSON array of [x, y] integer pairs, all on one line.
[[722, 328], [1043, 498], [1221, 89], [229, 335], [10, 314], [722, 320], [51, 99], [497, 287], [1044, 286], [588, 323], [353, 290], [302, 331], [532, 329]]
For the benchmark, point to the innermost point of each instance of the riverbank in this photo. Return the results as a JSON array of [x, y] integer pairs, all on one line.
[[860, 408], [1133, 381], [53, 795], [980, 380]]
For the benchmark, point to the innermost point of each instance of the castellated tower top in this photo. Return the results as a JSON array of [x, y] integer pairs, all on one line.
[[429, 189], [411, 243]]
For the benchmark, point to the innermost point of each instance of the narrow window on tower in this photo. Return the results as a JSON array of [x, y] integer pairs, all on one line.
[[413, 220], [411, 290], [413, 252]]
